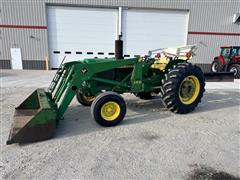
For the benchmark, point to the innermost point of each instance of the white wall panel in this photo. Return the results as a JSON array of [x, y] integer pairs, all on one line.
[[144, 30], [88, 31]]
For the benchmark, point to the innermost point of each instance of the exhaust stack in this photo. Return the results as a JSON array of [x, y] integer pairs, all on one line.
[[119, 49]]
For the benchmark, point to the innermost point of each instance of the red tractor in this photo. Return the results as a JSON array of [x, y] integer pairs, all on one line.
[[228, 61]]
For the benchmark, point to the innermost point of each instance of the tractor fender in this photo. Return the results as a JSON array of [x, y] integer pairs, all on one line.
[[221, 59], [174, 62]]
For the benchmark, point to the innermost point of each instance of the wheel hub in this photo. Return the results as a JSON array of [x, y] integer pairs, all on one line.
[[189, 89], [89, 98], [214, 67], [110, 111], [234, 70]]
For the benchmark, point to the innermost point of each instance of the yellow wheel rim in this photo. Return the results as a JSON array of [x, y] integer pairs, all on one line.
[[88, 98], [110, 111], [189, 89]]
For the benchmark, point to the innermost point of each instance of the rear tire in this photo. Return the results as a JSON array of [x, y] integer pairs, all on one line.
[[83, 99], [235, 68], [183, 88], [216, 66], [108, 109]]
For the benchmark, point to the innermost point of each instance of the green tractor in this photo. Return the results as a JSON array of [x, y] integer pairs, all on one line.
[[99, 82]]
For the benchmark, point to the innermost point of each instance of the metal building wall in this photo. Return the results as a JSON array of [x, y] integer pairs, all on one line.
[[30, 34]]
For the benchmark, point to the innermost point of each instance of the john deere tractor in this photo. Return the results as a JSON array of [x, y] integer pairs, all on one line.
[[99, 83]]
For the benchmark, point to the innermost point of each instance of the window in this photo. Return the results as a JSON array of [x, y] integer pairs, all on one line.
[[225, 52], [235, 51]]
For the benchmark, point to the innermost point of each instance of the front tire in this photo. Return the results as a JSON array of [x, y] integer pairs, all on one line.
[[216, 66], [235, 68], [108, 109], [183, 88]]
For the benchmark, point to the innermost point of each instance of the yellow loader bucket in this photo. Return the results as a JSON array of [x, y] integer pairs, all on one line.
[[34, 119]]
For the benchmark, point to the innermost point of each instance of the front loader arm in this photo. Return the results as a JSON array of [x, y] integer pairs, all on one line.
[[80, 72]]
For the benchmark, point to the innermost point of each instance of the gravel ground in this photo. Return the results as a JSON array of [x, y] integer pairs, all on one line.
[[150, 143]]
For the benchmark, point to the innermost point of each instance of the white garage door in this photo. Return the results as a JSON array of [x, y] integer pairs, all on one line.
[[145, 30], [80, 33]]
